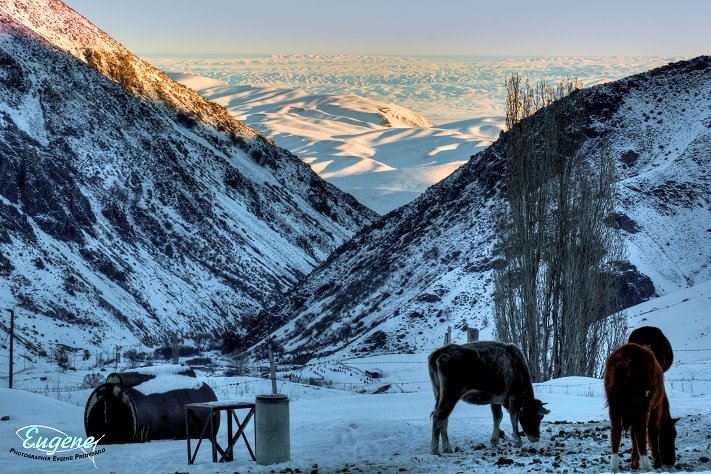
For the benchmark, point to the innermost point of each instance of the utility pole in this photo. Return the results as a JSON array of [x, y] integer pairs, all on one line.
[[12, 342]]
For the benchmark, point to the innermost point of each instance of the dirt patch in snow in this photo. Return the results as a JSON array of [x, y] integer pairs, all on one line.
[[565, 447]]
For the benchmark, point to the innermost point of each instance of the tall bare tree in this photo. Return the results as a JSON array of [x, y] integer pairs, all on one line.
[[555, 289]]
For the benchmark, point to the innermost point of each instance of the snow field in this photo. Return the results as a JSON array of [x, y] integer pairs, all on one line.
[[381, 153], [444, 89], [347, 127], [366, 432]]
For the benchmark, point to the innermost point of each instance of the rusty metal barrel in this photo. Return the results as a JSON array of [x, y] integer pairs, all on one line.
[[146, 404]]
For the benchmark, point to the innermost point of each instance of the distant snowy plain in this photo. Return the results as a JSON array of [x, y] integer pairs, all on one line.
[[444, 89], [383, 129]]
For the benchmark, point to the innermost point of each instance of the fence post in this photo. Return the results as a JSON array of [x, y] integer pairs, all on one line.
[[448, 336], [472, 334]]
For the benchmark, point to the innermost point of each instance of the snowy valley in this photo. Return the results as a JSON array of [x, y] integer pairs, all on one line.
[[401, 281], [196, 209]]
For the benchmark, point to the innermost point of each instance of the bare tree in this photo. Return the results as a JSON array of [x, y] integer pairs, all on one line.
[[201, 341], [172, 341], [554, 291], [176, 340]]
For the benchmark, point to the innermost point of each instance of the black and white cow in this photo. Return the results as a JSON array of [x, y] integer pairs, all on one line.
[[484, 373]]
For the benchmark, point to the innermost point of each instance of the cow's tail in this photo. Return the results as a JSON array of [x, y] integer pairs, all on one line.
[[620, 396], [434, 377]]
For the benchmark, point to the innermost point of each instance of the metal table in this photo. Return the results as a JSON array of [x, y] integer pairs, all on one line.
[[215, 408]]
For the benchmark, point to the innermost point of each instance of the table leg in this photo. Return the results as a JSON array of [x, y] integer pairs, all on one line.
[[212, 438], [192, 456], [229, 454], [187, 434], [240, 432]]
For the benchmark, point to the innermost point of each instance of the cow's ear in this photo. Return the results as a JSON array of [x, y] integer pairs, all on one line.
[[543, 410], [676, 420]]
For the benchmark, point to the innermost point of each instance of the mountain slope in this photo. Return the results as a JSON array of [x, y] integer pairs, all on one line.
[[130, 205], [401, 281]]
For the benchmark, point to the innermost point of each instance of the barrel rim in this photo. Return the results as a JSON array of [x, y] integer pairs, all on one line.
[[273, 398], [110, 386]]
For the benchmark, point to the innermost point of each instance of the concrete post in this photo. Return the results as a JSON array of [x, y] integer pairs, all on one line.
[[273, 442]]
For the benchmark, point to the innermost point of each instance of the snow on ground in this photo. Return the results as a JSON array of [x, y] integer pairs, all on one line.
[[338, 430]]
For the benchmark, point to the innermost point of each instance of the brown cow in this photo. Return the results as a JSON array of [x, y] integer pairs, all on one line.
[[637, 400], [654, 339], [484, 373]]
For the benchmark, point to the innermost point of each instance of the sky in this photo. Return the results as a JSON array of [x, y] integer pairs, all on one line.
[[406, 27]]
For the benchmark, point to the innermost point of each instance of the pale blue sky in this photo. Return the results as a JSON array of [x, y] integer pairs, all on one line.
[[411, 27]]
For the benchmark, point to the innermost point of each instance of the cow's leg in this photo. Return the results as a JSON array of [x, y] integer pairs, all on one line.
[[615, 437], [436, 428], [498, 416], [513, 414], [445, 436], [634, 458], [644, 464], [653, 435], [439, 423], [640, 460]]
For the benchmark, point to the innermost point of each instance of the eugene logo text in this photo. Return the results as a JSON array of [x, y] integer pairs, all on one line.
[[51, 441]]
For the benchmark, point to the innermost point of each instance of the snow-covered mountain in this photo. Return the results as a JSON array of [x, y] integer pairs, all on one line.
[[383, 154], [401, 281], [129, 204]]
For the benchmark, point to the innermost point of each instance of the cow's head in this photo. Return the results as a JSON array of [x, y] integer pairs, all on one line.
[[530, 416]]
